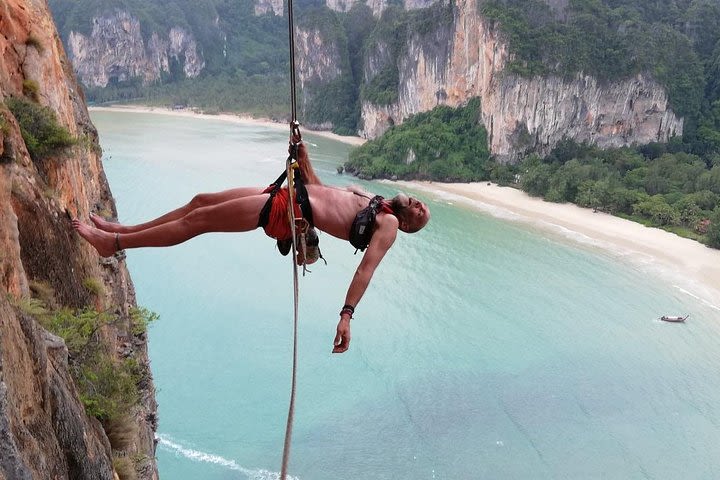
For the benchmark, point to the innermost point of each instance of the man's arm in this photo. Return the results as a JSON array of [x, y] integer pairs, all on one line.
[[382, 240], [303, 159]]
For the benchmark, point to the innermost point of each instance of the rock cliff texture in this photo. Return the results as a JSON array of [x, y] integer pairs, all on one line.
[[466, 57], [377, 6], [264, 6], [318, 62], [44, 430], [319, 67], [115, 51]]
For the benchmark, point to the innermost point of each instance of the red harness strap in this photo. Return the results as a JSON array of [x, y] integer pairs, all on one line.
[[386, 208]]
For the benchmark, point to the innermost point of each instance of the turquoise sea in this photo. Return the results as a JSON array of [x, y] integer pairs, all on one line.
[[483, 349]]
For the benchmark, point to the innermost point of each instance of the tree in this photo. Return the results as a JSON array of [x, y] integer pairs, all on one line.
[[535, 180], [587, 195], [502, 174], [657, 209], [689, 211], [709, 180], [713, 234]]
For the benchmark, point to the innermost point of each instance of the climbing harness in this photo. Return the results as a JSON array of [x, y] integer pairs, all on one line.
[[363, 226], [277, 223]]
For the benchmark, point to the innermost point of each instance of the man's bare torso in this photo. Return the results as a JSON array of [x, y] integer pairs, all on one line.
[[334, 209]]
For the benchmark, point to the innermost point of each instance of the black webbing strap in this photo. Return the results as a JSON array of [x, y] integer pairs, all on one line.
[[301, 194], [302, 199], [264, 216]]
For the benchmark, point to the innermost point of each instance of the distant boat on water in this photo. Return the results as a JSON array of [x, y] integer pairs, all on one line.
[[667, 318]]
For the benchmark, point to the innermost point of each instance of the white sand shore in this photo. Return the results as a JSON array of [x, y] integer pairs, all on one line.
[[227, 117], [687, 264]]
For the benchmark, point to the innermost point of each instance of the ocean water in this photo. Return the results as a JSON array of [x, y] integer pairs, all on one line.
[[483, 349]]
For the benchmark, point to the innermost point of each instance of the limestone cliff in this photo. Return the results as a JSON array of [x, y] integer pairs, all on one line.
[[466, 57], [115, 51], [264, 6], [318, 63], [45, 432], [377, 6]]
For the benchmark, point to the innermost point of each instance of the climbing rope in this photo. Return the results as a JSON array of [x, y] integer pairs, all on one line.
[[291, 41], [290, 167]]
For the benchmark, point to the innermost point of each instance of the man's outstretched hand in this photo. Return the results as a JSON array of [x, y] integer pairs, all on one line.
[[342, 338]]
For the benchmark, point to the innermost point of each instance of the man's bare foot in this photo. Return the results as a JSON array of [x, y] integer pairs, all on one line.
[[104, 242], [103, 224]]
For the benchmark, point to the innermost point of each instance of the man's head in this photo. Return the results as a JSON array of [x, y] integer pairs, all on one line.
[[410, 212]]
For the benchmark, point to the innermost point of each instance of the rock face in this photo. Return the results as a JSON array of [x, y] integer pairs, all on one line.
[[317, 61], [264, 6], [318, 65], [116, 52], [377, 6], [44, 430], [466, 58], [534, 115]]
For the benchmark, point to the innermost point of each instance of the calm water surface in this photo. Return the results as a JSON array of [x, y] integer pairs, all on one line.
[[482, 349]]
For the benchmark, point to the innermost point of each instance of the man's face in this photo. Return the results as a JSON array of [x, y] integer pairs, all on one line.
[[412, 213]]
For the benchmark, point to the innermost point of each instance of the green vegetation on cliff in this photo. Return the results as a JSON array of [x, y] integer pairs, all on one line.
[[444, 144], [40, 129], [108, 387]]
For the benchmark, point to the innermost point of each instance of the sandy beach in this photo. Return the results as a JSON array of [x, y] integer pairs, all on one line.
[[226, 117], [688, 265]]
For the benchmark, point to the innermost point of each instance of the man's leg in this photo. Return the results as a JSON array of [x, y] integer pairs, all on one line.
[[238, 215], [199, 201]]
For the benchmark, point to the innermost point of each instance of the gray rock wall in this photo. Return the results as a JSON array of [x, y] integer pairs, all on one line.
[[116, 51], [521, 114]]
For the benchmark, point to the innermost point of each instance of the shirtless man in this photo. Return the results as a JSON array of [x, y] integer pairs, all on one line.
[[334, 211]]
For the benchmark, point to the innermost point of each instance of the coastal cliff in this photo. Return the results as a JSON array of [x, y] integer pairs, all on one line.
[[465, 57], [47, 273], [116, 51]]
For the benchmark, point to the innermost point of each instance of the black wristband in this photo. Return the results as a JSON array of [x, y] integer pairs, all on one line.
[[347, 309]]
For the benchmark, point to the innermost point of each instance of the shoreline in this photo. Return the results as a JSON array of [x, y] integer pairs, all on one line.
[[690, 266], [687, 264], [225, 117]]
